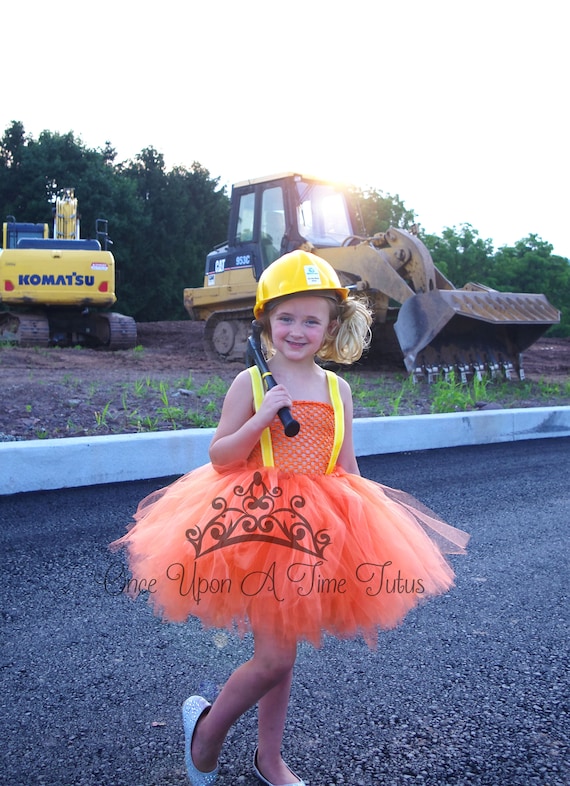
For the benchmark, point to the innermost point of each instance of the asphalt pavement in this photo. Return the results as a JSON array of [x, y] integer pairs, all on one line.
[[471, 689]]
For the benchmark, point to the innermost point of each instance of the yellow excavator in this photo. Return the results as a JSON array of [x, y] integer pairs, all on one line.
[[432, 326], [54, 290]]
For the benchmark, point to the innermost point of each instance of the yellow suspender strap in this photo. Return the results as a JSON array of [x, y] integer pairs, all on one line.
[[265, 440], [338, 407]]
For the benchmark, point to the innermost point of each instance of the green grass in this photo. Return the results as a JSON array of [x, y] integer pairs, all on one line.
[[101, 416], [213, 387], [382, 398], [158, 397]]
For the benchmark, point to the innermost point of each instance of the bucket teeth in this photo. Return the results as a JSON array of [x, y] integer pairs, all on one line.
[[461, 368], [464, 369]]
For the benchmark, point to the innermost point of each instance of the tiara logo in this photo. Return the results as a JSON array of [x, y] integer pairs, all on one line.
[[260, 517]]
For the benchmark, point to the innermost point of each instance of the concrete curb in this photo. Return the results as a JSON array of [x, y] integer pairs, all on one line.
[[37, 465]]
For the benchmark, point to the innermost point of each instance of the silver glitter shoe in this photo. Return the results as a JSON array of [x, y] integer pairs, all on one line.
[[192, 710], [265, 781]]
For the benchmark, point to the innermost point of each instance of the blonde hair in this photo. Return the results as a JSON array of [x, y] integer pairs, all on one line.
[[350, 334]]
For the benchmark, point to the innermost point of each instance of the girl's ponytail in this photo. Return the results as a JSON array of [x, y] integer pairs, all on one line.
[[352, 336]]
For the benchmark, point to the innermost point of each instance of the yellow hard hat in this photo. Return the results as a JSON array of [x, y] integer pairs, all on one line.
[[298, 271]]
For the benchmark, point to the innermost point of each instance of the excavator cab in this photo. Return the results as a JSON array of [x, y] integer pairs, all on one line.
[[269, 218], [14, 232]]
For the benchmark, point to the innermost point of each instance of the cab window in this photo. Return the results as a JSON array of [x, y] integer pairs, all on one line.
[[246, 215], [272, 224]]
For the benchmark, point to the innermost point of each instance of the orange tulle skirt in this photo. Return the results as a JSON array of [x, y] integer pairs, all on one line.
[[254, 548]]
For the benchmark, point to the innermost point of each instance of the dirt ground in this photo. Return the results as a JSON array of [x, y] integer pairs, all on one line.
[[168, 383]]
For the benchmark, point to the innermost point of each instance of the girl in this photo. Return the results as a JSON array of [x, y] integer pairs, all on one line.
[[280, 535]]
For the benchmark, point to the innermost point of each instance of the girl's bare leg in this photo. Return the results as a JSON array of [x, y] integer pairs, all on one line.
[[271, 664], [272, 714]]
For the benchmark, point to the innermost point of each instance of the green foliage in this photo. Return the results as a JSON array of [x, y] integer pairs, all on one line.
[[380, 212], [460, 254], [450, 395], [530, 266], [101, 416]]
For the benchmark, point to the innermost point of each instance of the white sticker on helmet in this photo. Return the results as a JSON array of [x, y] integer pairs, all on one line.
[[312, 276]]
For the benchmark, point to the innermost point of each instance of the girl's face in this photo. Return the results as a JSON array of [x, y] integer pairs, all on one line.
[[298, 326]]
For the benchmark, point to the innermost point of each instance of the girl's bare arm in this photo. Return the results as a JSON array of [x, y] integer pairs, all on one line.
[[240, 427], [346, 458]]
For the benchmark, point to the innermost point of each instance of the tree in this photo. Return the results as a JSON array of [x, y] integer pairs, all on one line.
[[33, 172], [380, 212], [11, 145], [461, 254], [530, 266], [185, 215]]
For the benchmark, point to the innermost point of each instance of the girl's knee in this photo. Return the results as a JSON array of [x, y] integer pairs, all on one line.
[[271, 674], [274, 662]]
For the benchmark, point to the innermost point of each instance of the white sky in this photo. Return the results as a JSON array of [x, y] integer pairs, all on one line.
[[459, 107]]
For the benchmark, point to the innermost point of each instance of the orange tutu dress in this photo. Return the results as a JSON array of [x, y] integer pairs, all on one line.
[[299, 549]]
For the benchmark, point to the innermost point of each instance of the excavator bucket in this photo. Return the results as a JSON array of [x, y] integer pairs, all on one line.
[[472, 331]]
